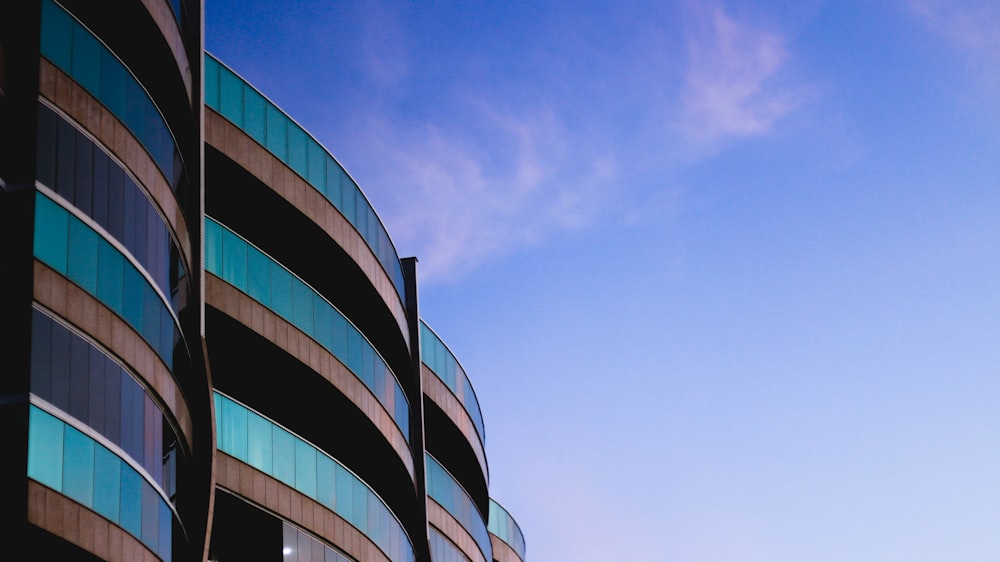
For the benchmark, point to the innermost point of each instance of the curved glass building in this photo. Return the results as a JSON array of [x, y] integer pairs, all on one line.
[[213, 350]]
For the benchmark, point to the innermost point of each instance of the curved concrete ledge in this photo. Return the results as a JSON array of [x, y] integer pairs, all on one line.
[[258, 318], [163, 16], [70, 302], [451, 528], [440, 394], [69, 97], [236, 145], [249, 483], [63, 517]]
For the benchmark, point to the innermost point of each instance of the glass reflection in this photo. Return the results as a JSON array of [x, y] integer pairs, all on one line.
[[302, 466], [73, 464], [446, 491], [245, 107], [231, 258], [440, 360]]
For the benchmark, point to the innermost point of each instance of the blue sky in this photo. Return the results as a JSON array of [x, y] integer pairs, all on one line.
[[724, 275]]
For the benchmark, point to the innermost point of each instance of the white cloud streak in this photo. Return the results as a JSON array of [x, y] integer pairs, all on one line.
[[973, 27], [730, 88], [455, 204], [493, 176]]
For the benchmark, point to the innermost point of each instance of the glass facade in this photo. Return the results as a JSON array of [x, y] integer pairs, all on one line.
[[104, 418], [275, 451], [439, 359], [503, 526], [300, 546], [66, 244], [443, 550], [79, 170], [245, 107], [77, 52], [76, 376], [242, 265], [445, 490], [72, 463]]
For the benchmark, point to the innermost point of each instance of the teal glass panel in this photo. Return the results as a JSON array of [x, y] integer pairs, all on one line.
[[212, 83], [317, 166], [131, 501], [449, 376], [168, 334], [166, 517], [132, 297], [443, 489], [234, 259], [82, 255], [359, 515], [254, 116], [277, 133], [504, 527], [259, 274], [57, 35], [150, 515], [297, 140], [231, 96], [51, 233], [136, 101], [284, 456], [350, 196], [305, 468], [378, 526], [334, 177], [323, 320], [107, 483], [87, 61], [366, 368], [213, 247], [339, 327], [326, 474], [362, 218], [354, 353], [302, 303], [260, 451], [111, 275], [382, 377], [78, 466], [113, 80], [402, 411], [233, 437], [445, 366], [296, 302], [345, 493], [281, 292], [45, 448]]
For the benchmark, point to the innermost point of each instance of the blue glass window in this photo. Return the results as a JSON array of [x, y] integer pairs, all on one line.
[[305, 468], [45, 449], [284, 456], [107, 483], [51, 233], [260, 451]]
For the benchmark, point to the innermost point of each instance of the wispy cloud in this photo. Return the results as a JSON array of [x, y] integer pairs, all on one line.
[[970, 24], [731, 88], [458, 200], [563, 144], [973, 27], [382, 44]]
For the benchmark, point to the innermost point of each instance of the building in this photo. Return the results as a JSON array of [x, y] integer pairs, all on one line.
[[213, 351]]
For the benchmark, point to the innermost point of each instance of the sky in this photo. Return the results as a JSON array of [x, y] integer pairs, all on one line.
[[723, 274]]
